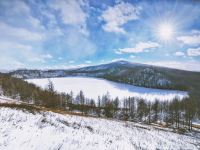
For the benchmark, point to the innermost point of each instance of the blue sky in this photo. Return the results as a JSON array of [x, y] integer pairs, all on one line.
[[73, 33]]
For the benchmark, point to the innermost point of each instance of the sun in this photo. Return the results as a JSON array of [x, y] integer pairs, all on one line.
[[165, 31]]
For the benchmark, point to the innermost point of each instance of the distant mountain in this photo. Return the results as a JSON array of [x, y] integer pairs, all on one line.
[[125, 72]]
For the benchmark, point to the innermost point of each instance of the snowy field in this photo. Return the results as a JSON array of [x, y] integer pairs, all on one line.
[[50, 131], [94, 87]]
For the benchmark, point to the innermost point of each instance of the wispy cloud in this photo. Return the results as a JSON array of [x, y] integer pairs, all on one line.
[[179, 53], [36, 33], [192, 39], [15, 33], [21, 54], [139, 48], [193, 51], [72, 13], [115, 17], [9, 46]]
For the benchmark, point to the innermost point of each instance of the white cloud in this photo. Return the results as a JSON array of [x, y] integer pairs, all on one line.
[[18, 7], [193, 51], [179, 53], [195, 32], [72, 13], [23, 35], [139, 48], [186, 65], [7, 63], [52, 23], [193, 39], [14, 33], [75, 38], [21, 54], [35, 23], [19, 10], [9, 46], [16, 55], [115, 17]]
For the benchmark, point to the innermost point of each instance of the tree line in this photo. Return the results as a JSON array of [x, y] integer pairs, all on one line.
[[176, 113]]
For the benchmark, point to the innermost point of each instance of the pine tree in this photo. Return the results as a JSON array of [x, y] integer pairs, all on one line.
[[50, 86], [132, 108], [82, 101], [142, 109], [156, 110], [116, 104], [99, 107], [149, 111]]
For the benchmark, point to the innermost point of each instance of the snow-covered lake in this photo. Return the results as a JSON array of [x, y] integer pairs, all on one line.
[[94, 87]]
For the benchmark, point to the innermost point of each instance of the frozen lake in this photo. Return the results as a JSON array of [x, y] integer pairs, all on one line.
[[94, 87]]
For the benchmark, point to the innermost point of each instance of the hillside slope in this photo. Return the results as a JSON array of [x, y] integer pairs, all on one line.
[[46, 130], [126, 72]]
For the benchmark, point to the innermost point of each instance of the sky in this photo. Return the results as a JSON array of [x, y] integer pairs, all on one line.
[[61, 34]]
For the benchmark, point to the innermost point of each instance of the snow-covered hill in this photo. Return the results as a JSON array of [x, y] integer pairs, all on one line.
[[50, 131]]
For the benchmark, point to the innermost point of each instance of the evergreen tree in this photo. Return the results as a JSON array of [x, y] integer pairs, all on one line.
[[142, 109], [82, 101], [99, 107], [156, 110], [50, 86], [116, 104]]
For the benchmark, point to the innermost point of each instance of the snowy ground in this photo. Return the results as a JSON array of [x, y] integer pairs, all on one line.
[[50, 131], [94, 87]]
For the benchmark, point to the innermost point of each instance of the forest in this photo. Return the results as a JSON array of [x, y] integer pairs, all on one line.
[[177, 114]]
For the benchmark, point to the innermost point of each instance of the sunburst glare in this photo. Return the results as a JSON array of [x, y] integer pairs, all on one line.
[[165, 31]]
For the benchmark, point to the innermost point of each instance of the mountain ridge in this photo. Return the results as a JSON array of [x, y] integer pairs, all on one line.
[[122, 62]]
